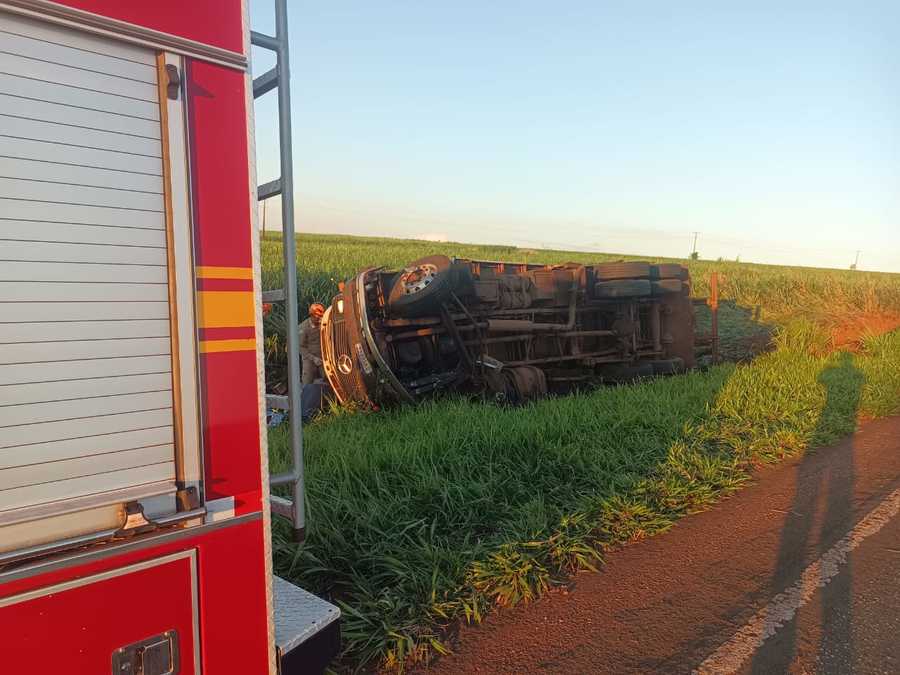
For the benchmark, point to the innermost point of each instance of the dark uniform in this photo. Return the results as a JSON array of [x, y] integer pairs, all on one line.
[[310, 352]]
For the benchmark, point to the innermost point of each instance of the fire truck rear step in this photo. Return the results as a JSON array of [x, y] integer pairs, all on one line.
[[307, 630]]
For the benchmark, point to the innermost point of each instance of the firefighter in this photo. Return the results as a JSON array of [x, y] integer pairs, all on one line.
[[311, 344]]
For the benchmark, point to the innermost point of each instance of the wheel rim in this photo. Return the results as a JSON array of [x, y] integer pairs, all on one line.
[[415, 279]]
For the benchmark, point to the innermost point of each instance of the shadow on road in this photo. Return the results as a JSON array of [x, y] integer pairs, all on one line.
[[826, 490]]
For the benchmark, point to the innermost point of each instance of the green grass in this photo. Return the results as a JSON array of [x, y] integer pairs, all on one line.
[[418, 517]]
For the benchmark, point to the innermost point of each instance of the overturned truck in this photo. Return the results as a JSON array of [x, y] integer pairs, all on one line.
[[512, 331]]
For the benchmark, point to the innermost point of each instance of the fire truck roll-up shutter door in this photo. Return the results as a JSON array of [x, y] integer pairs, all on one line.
[[86, 368]]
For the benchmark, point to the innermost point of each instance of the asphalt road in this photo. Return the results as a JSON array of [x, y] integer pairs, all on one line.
[[798, 573]]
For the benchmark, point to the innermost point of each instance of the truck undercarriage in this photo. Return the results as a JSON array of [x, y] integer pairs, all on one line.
[[513, 331]]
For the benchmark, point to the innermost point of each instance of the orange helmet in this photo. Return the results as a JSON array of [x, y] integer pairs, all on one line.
[[316, 309]]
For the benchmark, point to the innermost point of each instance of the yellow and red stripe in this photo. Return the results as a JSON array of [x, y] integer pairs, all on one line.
[[226, 309]]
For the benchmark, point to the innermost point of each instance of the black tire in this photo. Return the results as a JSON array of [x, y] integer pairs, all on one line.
[[627, 372], [644, 369], [621, 270], [668, 366], [421, 286], [527, 382], [618, 373], [667, 271], [663, 286], [623, 288]]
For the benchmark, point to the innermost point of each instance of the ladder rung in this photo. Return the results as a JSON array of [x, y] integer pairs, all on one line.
[[265, 82], [273, 296], [277, 402], [264, 41], [282, 507], [270, 189]]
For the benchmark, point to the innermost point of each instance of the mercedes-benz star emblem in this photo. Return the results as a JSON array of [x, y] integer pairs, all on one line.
[[345, 364]]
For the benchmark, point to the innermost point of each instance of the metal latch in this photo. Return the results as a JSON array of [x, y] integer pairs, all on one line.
[[135, 521], [187, 499], [157, 655], [174, 83]]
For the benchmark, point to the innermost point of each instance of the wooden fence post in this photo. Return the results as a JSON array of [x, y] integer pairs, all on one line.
[[714, 308]]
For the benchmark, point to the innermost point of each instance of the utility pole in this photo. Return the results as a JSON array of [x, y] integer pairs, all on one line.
[[694, 247], [855, 262]]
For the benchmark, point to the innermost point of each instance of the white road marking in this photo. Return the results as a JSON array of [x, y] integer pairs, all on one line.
[[730, 656]]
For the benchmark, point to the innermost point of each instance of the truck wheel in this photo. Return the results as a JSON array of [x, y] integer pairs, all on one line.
[[668, 366], [622, 270], [666, 286], [421, 286], [622, 373], [645, 369], [667, 271], [623, 288], [528, 383]]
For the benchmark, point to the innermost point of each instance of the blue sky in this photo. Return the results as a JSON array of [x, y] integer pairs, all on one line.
[[771, 128]]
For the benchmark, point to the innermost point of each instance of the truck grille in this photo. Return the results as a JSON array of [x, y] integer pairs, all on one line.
[[339, 358]]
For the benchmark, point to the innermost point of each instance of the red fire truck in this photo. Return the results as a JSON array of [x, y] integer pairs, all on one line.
[[134, 483]]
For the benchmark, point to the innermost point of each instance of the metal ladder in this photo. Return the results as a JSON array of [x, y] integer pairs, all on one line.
[[279, 77]]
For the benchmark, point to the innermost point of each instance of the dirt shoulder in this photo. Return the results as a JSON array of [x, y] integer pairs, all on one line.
[[663, 605], [851, 331]]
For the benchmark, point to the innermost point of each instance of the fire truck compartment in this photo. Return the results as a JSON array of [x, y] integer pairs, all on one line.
[[98, 404], [138, 619]]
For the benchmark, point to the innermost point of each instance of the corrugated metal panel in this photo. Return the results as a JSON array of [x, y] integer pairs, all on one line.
[[57, 371], [82, 118], [66, 469], [15, 312], [74, 76], [78, 155], [25, 38], [77, 136], [73, 448], [14, 291], [85, 365], [42, 189], [55, 331], [81, 408], [93, 426], [82, 271], [74, 350], [50, 34], [70, 233], [57, 491], [80, 175], [75, 252], [62, 212], [66, 390], [86, 99]]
